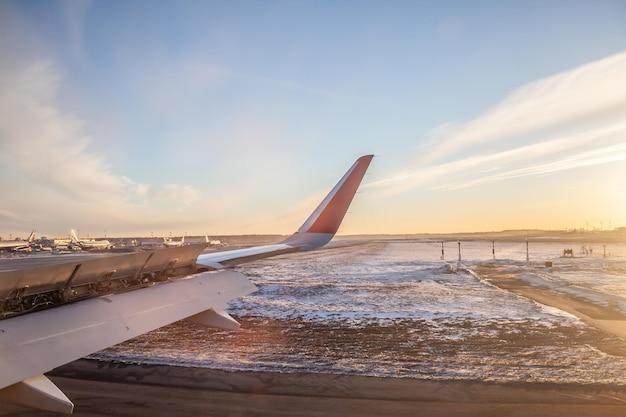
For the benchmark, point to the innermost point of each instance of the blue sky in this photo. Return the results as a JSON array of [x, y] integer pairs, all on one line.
[[235, 117]]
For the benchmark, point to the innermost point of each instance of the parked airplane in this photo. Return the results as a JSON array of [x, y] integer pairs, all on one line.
[[212, 241], [18, 245], [40, 248], [62, 244], [34, 343], [168, 242], [88, 244]]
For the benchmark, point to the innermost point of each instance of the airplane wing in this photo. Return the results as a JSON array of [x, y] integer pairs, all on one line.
[[34, 343]]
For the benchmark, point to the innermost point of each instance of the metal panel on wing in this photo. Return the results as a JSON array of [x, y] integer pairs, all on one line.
[[109, 268], [34, 280], [174, 258]]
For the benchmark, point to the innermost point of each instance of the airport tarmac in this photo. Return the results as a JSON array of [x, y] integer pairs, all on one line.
[[108, 389]]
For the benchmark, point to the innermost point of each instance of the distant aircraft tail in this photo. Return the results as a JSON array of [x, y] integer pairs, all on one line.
[[182, 240], [324, 222], [31, 237], [73, 236], [206, 238]]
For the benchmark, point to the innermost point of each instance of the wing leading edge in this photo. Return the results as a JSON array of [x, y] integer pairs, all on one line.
[[318, 229]]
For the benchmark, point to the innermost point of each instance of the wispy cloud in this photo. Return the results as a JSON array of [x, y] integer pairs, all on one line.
[[600, 156], [565, 121], [47, 165], [54, 179], [582, 95], [74, 13], [41, 142]]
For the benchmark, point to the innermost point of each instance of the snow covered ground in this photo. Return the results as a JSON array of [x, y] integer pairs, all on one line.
[[394, 308]]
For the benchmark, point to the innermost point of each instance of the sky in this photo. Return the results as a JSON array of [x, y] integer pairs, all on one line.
[[131, 118]]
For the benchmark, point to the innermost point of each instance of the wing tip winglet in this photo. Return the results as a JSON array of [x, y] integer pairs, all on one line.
[[324, 222]]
